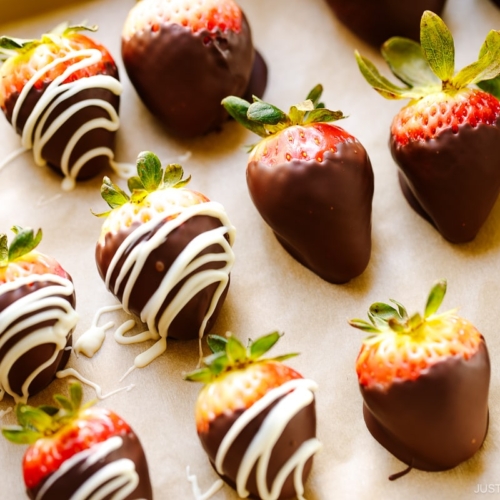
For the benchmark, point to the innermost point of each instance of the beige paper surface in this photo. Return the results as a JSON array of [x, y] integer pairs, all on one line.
[[303, 44]]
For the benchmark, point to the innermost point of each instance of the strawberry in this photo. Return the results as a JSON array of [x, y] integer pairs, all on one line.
[[256, 418], [165, 253], [37, 315], [424, 382], [392, 18], [446, 141], [312, 182], [76, 450], [184, 56], [61, 94]]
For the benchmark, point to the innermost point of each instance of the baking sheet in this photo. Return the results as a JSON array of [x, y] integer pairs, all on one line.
[[303, 44]]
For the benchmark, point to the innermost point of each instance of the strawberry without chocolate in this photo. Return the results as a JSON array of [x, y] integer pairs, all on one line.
[[61, 94], [165, 253], [256, 418], [184, 56], [312, 182], [37, 315], [446, 141], [79, 452], [424, 382]]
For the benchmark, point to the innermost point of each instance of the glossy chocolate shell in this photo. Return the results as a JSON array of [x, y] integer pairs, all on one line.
[[320, 211], [454, 179]]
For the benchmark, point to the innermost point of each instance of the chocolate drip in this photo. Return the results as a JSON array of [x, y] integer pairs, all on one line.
[[27, 363], [182, 77], [53, 150], [65, 486], [437, 421], [320, 211], [375, 21], [301, 428], [453, 180], [187, 323]]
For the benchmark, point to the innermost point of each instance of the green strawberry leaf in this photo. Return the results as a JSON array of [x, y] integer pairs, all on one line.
[[437, 45], [396, 325], [18, 435], [149, 170], [403, 314], [381, 84], [64, 402], [263, 344], [315, 95], [9, 43], [235, 351], [485, 68], [266, 114], [173, 176], [408, 63], [4, 250], [24, 242], [112, 194], [361, 324], [323, 115], [216, 343], [435, 298], [203, 375], [49, 410], [138, 195], [415, 321], [134, 183], [491, 86], [33, 418], [296, 115], [238, 108]]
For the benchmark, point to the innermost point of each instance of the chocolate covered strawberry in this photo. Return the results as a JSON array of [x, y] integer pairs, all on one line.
[[446, 141], [375, 21], [79, 452], [312, 182], [61, 94], [165, 253], [37, 315], [184, 56], [256, 418], [424, 381]]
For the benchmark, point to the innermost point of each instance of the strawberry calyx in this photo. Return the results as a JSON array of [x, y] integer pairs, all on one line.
[[229, 354], [401, 347], [151, 177], [44, 421], [429, 67], [265, 119], [24, 241]]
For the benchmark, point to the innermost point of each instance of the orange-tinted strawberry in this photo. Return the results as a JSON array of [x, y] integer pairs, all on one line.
[[165, 253], [312, 182], [184, 56], [37, 315], [74, 449], [446, 141], [424, 381], [61, 94], [259, 404]]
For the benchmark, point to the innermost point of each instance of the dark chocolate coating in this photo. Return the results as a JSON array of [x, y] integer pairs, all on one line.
[[26, 364], [454, 179], [53, 150], [437, 421], [301, 428], [182, 77], [187, 323], [68, 483], [375, 21], [320, 211]]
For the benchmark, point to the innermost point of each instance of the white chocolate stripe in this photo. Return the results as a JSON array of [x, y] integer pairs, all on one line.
[[57, 92], [41, 305], [184, 265], [297, 394], [118, 475]]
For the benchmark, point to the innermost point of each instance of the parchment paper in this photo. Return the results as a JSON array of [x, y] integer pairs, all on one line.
[[303, 44]]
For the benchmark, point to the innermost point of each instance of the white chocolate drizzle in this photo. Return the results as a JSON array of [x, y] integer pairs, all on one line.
[[71, 372], [5, 412], [119, 475], [33, 136], [186, 263], [45, 304], [297, 394], [198, 495]]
